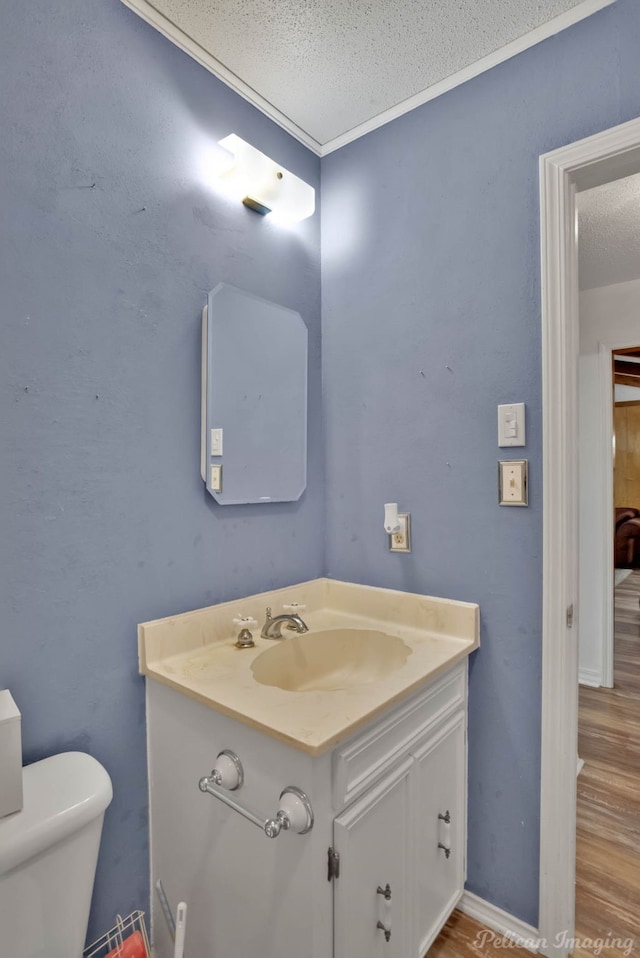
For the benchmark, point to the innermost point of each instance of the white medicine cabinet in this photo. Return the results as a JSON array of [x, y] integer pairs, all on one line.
[[254, 399]]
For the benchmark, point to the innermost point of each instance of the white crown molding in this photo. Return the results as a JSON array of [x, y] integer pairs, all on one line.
[[168, 29], [530, 39], [145, 10], [500, 921]]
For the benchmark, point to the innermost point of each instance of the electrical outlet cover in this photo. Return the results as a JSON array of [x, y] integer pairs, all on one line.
[[401, 541]]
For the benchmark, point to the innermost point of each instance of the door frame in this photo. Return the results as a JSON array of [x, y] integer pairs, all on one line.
[[600, 550], [590, 162], [605, 459]]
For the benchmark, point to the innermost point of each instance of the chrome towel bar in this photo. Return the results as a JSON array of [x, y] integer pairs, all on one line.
[[294, 812]]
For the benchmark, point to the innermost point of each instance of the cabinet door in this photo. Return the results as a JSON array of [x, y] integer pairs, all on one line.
[[440, 809], [372, 837]]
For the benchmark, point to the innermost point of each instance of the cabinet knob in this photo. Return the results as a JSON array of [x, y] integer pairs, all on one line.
[[386, 891], [447, 851], [387, 931], [446, 818]]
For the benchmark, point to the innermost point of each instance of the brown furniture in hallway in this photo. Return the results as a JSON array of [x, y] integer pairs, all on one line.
[[627, 538]]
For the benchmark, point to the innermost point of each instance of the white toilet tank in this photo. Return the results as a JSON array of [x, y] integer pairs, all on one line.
[[48, 856]]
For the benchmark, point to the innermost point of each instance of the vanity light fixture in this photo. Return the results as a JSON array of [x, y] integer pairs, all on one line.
[[261, 184]]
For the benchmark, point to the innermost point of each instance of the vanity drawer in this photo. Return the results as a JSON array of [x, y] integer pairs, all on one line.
[[358, 763]]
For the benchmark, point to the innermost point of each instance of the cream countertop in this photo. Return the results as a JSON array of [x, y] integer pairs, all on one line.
[[195, 654]]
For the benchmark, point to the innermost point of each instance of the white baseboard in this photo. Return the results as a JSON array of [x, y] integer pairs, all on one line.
[[501, 921], [590, 677]]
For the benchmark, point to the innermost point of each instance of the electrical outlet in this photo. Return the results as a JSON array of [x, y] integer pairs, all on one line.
[[215, 475], [401, 541]]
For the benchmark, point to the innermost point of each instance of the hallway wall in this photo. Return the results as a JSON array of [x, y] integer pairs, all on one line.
[[610, 315]]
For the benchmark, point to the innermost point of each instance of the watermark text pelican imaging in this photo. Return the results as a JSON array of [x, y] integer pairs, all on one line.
[[594, 946]]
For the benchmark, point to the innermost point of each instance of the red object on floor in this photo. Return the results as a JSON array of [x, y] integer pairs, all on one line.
[[131, 947]]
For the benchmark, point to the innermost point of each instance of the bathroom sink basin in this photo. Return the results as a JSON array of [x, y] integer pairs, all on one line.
[[330, 660], [367, 649]]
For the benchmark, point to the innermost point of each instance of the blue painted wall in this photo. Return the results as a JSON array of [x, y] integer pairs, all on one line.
[[110, 238], [431, 317]]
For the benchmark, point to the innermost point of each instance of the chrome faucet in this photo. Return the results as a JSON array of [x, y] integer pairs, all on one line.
[[272, 628]]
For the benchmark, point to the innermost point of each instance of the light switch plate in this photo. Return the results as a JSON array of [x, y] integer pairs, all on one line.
[[216, 442], [513, 482], [511, 425]]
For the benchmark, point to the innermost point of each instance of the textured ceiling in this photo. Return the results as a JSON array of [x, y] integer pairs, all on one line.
[[609, 233], [330, 66]]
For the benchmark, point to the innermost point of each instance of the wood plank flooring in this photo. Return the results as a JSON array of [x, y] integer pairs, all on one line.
[[608, 826], [462, 937]]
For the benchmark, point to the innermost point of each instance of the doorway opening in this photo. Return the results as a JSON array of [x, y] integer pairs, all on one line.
[[608, 784], [598, 160], [608, 219]]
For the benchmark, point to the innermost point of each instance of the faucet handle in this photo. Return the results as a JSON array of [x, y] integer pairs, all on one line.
[[294, 608], [245, 621], [245, 638]]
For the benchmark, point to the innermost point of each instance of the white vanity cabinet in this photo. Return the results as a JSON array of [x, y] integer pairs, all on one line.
[[372, 895], [402, 842], [390, 800], [439, 850]]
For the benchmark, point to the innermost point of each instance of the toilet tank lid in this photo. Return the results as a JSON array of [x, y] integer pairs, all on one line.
[[61, 794]]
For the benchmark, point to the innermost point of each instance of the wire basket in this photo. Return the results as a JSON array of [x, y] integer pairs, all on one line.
[[127, 939]]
